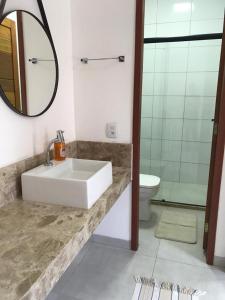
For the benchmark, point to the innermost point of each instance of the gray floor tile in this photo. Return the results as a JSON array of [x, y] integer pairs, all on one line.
[[148, 243], [211, 280], [192, 254], [56, 292], [55, 296], [106, 273]]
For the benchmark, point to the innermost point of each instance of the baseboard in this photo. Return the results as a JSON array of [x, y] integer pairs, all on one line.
[[219, 261], [109, 241]]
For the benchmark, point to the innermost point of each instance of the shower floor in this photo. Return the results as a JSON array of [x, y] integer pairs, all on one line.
[[184, 193]]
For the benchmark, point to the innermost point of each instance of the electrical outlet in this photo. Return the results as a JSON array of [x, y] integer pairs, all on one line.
[[111, 130]]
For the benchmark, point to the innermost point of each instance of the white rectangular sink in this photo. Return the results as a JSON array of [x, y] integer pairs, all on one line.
[[73, 182]]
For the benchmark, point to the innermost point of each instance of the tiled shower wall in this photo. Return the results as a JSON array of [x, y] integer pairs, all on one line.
[[179, 90]]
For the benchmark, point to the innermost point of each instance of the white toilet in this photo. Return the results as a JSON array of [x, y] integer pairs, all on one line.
[[149, 187]]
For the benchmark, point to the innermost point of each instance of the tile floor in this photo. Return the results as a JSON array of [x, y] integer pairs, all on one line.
[[104, 272], [185, 193]]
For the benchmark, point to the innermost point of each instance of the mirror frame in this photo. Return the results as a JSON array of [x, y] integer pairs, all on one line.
[[48, 33]]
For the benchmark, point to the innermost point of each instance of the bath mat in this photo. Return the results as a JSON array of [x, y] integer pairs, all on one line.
[[177, 226], [150, 289]]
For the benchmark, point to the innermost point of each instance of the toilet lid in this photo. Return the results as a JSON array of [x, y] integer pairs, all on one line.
[[149, 181]]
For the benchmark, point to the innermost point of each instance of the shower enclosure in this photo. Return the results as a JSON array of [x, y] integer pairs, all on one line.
[[179, 92]]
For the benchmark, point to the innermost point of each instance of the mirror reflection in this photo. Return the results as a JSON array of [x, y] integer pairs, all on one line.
[[28, 74]]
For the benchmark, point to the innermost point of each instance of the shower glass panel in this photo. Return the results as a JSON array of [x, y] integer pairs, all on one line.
[[178, 105]]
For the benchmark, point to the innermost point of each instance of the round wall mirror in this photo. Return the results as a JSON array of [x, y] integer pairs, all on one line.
[[28, 64]]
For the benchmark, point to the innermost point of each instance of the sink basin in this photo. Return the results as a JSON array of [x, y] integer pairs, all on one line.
[[73, 182]]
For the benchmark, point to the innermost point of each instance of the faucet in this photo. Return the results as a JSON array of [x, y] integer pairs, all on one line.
[[58, 139]]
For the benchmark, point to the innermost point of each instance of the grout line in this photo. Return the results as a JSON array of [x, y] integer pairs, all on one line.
[[153, 102], [183, 162], [186, 264], [162, 45], [186, 21], [156, 258], [186, 96], [186, 141], [183, 72], [166, 118], [184, 107], [160, 214]]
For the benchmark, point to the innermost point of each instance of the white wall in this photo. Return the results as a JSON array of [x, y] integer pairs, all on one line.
[[103, 90], [23, 137], [117, 223]]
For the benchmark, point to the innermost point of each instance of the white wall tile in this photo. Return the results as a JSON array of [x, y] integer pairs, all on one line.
[[204, 59], [173, 11], [156, 149], [158, 106], [197, 130], [157, 126], [199, 107], [206, 43], [170, 171], [204, 27], [168, 107], [145, 166], [172, 45], [164, 191], [189, 193], [148, 84], [169, 83], [150, 11], [171, 59], [195, 152], [146, 128], [173, 29], [171, 150], [149, 60], [202, 84], [194, 173], [145, 149], [155, 167], [207, 9], [150, 31], [147, 105], [173, 107], [172, 129]]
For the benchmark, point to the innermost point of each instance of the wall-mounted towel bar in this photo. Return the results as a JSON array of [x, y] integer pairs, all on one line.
[[85, 60], [35, 60]]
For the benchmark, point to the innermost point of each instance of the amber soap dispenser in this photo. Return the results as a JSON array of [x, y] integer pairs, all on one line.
[[59, 147]]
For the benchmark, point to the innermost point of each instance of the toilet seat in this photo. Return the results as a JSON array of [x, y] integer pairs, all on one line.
[[149, 181]]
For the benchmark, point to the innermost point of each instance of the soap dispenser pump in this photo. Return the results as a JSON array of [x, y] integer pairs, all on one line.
[[59, 147]]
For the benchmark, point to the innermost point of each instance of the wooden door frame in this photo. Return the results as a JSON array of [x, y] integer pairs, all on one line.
[[138, 72], [216, 164], [217, 156]]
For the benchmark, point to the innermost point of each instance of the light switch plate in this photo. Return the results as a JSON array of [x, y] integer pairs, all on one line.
[[111, 130]]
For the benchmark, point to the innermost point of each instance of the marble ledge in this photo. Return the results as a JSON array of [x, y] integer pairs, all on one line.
[[38, 241]]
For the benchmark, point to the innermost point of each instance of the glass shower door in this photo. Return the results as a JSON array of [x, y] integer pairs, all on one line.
[[178, 105]]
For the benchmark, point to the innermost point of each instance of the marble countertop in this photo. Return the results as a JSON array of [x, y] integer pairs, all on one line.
[[38, 241]]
